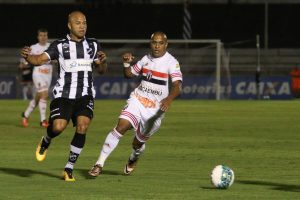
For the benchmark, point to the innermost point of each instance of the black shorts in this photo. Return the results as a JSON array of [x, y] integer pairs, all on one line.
[[63, 108]]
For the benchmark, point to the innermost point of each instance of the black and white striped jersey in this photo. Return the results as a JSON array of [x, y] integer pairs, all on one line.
[[76, 60]]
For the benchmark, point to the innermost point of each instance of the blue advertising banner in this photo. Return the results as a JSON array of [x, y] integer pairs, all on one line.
[[196, 87], [271, 87], [113, 87], [7, 87], [204, 87], [238, 87]]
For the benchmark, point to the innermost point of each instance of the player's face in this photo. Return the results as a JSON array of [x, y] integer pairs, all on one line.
[[42, 38], [78, 26], [158, 45]]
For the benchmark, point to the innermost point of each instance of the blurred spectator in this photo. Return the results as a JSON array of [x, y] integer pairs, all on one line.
[[41, 77], [28, 91], [295, 81]]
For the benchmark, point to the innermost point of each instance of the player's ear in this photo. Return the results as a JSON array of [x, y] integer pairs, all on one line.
[[69, 25]]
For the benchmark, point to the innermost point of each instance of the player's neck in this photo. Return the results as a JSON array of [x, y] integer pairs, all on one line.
[[43, 44], [75, 38]]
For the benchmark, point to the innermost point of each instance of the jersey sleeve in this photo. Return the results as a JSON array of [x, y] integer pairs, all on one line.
[[136, 69], [175, 72], [97, 48], [52, 51]]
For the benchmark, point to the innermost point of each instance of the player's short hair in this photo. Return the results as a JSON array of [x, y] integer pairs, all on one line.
[[42, 30], [159, 33]]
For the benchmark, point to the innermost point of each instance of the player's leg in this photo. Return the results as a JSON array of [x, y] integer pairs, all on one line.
[[138, 148], [25, 90], [42, 83], [60, 113], [34, 102], [83, 114], [148, 125], [43, 107], [110, 143], [76, 146], [31, 106], [128, 119]]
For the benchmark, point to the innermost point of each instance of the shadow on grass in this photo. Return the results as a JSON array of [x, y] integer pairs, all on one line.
[[275, 186], [26, 172], [84, 173], [208, 188]]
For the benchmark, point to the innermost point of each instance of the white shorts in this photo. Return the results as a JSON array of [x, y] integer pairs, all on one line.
[[145, 121], [42, 81]]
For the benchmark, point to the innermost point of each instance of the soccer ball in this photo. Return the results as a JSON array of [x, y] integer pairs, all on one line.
[[222, 177]]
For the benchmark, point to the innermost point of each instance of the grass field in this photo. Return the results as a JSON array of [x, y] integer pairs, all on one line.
[[259, 140]]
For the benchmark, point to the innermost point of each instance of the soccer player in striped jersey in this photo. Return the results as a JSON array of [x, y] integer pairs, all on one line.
[[41, 76], [74, 90], [147, 104]]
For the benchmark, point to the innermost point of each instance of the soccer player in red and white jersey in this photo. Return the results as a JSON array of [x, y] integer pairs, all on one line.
[[41, 76], [148, 102]]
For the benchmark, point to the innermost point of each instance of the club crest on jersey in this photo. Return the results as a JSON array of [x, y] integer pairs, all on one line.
[[89, 51], [149, 75]]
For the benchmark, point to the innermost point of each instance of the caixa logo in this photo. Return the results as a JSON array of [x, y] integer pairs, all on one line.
[[7, 88]]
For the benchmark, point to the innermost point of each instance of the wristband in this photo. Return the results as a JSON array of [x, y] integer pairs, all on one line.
[[126, 65]]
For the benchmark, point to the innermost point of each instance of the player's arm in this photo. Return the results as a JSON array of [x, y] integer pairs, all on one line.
[[100, 62], [175, 91], [35, 60], [127, 59]]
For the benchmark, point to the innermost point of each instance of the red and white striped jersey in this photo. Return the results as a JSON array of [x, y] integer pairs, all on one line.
[[155, 74]]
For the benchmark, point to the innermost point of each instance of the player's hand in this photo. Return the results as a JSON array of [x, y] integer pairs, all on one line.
[[127, 57], [165, 104], [101, 57], [25, 52]]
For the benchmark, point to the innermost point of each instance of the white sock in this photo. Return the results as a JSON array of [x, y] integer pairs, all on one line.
[[43, 107], [30, 108], [109, 145], [137, 152]]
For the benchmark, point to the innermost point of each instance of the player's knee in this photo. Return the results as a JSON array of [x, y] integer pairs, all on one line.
[[81, 128], [123, 126], [58, 127], [122, 129]]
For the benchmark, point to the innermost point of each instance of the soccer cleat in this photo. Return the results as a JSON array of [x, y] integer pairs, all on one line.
[[95, 171], [44, 124], [25, 121], [67, 175], [129, 167], [41, 151]]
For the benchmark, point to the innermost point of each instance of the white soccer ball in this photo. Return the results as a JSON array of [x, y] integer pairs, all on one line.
[[222, 177]]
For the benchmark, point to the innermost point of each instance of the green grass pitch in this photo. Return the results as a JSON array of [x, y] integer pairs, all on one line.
[[259, 140]]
